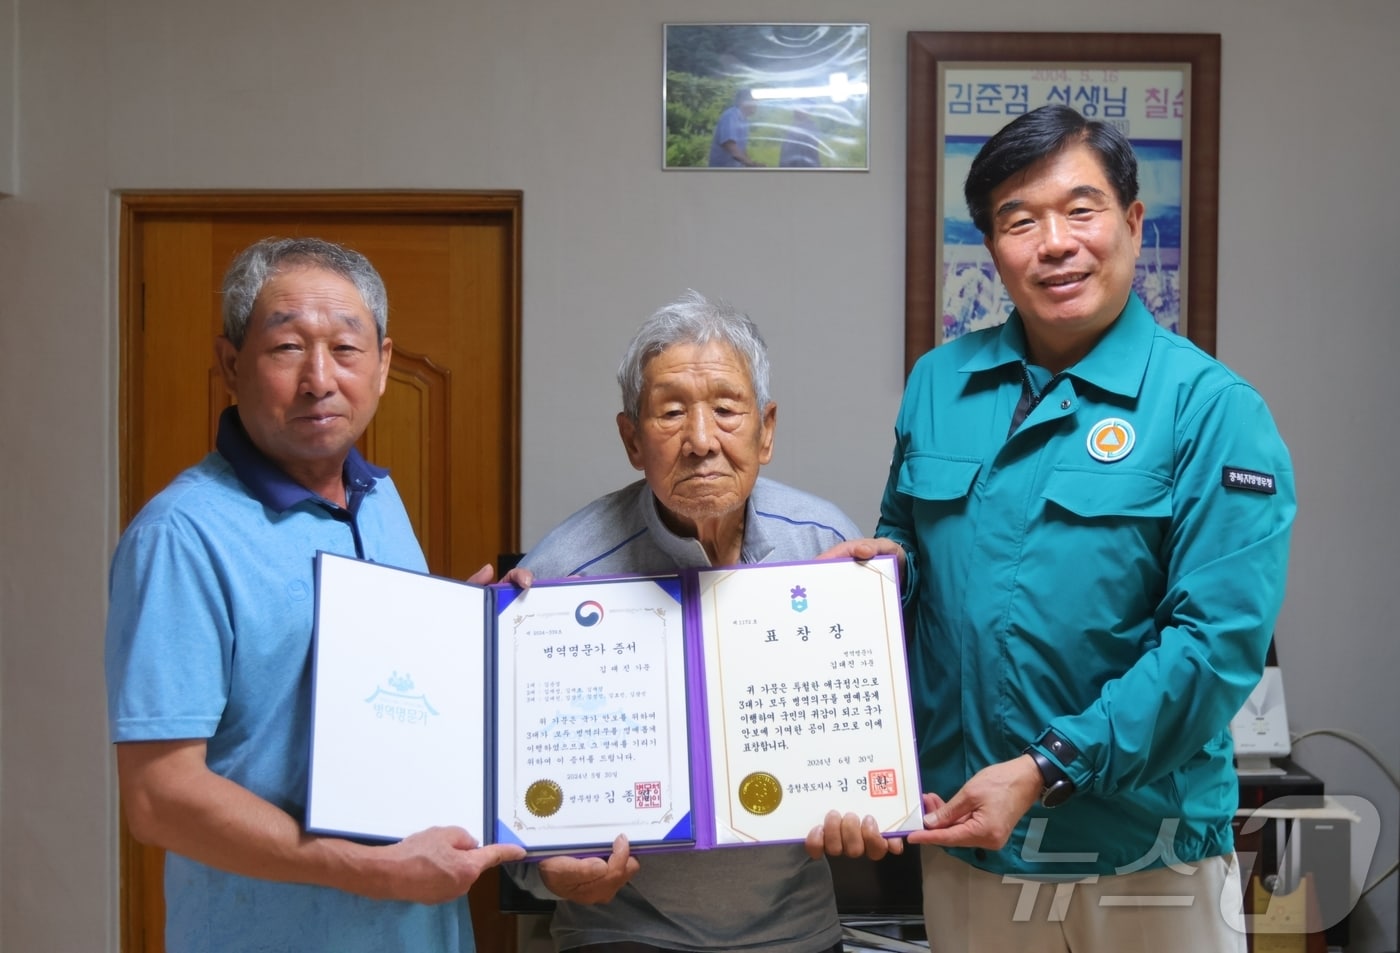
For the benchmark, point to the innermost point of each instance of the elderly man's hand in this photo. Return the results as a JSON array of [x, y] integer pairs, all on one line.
[[483, 576], [519, 577], [850, 835], [590, 879]]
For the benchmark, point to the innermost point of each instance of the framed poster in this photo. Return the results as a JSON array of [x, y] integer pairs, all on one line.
[[766, 96], [1161, 90]]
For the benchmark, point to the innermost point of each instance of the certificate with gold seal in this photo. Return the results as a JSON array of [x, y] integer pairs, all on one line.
[[591, 733], [687, 711], [807, 698]]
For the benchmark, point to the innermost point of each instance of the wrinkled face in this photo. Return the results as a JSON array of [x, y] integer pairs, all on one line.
[[310, 373], [700, 437], [1064, 247]]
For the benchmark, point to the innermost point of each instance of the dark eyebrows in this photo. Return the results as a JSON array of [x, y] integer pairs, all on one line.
[[278, 318], [1089, 192], [352, 320], [1007, 207], [1078, 192]]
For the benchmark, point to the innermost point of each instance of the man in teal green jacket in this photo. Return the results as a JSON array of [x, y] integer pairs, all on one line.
[[1094, 517]]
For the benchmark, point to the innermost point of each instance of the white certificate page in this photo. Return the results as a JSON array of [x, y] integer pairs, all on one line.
[[808, 698], [397, 741]]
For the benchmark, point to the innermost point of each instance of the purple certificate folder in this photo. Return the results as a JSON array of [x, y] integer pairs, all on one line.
[[698, 709]]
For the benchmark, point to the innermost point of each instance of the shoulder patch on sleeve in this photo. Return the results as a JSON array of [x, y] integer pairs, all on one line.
[[1238, 478]]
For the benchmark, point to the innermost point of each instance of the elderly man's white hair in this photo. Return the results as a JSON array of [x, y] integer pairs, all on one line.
[[693, 319]]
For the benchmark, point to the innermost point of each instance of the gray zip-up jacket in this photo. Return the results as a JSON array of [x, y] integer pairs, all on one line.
[[773, 898]]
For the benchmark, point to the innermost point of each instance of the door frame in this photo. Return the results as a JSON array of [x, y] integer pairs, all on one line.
[[140, 911]]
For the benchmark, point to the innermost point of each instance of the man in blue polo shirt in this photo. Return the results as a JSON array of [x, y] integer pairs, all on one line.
[[1095, 517], [729, 146], [209, 633]]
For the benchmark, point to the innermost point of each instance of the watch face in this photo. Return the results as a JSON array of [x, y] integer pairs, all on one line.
[[1057, 794]]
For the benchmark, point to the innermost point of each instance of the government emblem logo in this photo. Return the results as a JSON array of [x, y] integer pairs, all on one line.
[[1111, 439]]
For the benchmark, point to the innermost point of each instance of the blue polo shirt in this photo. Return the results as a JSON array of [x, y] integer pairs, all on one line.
[[1111, 570], [208, 636], [732, 126]]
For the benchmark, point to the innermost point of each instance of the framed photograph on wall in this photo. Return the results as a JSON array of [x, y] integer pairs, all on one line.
[[766, 96], [1161, 90]]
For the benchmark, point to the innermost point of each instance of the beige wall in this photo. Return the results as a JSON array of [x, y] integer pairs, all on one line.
[[561, 98]]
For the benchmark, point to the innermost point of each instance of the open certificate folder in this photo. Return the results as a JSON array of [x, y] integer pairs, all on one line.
[[693, 710]]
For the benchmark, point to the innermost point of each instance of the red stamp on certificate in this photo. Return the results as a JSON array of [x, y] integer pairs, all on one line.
[[647, 794], [882, 783]]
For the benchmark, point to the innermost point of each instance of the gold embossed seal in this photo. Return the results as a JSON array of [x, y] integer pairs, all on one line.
[[544, 798], [760, 793]]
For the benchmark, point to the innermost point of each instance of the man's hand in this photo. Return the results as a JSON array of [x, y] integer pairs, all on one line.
[[590, 879], [863, 549], [848, 835], [172, 800], [986, 810], [519, 577], [438, 864]]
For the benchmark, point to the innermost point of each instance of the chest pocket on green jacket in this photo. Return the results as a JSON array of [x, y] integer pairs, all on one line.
[[1093, 492], [937, 479], [1120, 510], [1101, 545]]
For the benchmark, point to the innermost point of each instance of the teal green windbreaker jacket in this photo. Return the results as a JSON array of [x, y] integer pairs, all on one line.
[[1112, 571]]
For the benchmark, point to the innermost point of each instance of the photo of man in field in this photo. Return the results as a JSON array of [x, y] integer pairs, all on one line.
[[767, 96]]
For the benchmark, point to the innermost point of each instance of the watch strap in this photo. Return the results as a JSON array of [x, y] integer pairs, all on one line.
[[1050, 772], [1059, 746], [1058, 787]]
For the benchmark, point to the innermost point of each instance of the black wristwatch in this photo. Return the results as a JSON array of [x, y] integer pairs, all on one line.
[[1058, 787]]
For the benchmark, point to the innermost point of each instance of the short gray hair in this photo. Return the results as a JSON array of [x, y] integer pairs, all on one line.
[[244, 280], [692, 319]]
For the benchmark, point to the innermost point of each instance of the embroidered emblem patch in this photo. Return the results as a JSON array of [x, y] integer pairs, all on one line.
[[1111, 439], [1238, 478]]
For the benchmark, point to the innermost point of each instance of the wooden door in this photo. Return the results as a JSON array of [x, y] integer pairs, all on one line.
[[447, 426]]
